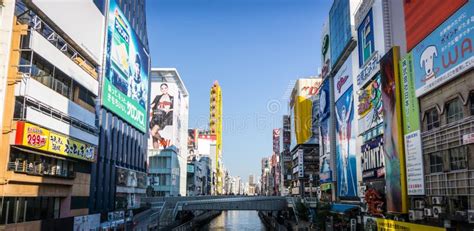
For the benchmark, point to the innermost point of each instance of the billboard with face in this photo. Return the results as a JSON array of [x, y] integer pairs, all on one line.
[[393, 148], [446, 52], [164, 108], [126, 79], [346, 145], [370, 106], [325, 174]]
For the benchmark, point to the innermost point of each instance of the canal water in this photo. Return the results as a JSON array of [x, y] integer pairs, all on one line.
[[236, 221]]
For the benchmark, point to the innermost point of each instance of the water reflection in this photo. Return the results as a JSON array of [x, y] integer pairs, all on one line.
[[236, 220]]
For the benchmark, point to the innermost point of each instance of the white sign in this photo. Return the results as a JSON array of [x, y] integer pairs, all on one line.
[[468, 138], [343, 78], [414, 164], [300, 163], [370, 68]]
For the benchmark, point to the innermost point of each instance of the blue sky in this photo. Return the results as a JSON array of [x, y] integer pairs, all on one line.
[[254, 48]]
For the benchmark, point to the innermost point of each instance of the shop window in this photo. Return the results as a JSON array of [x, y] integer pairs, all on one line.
[[432, 119], [436, 162], [458, 158], [22, 209], [471, 103], [454, 111]]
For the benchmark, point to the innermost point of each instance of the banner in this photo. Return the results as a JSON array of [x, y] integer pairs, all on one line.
[[446, 52], [411, 129], [379, 224], [393, 140], [125, 86], [33, 136], [345, 146], [370, 108], [325, 174]]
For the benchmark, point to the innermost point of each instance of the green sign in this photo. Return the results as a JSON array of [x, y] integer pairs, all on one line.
[[411, 111], [325, 186]]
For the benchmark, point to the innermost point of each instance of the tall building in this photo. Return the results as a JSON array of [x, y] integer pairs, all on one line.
[[168, 141], [49, 83], [119, 175], [215, 126]]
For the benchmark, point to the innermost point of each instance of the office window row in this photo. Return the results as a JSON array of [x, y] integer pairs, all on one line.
[[23, 209], [449, 160], [454, 111]]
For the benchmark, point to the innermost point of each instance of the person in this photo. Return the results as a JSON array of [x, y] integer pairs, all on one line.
[[161, 114], [343, 119], [136, 89]]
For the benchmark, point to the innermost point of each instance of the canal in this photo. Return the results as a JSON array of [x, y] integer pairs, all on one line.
[[236, 220]]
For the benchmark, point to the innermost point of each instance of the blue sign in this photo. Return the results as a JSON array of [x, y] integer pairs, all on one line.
[[446, 52], [340, 28], [366, 38], [325, 174], [346, 146]]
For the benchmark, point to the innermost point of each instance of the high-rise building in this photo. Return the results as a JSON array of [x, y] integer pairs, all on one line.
[[49, 83], [168, 141], [215, 126]]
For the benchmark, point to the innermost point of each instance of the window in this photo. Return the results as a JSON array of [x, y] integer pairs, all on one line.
[[471, 103], [86, 96], [432, 119], [22, 209], [458, 158], [436, 162], [454, 111]]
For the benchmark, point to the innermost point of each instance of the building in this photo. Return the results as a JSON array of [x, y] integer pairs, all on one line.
[[118, 176], [215, 126], [286, 163], [49, 84], [168, 141]]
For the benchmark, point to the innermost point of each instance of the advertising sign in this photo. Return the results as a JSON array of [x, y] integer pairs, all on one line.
[[365, 40], [340, 28], [411, 129], [125, 86], [36, 137], [446, 52], [276, 141], [343, 79], [379, 224], [325, 174], [325, 47], [286, 137], [393, 140], [300, 163], [422, 17], [164, 107], [129, 178], [372, 159], [87, 222], [301, 107], [370, 106], [346, 146]]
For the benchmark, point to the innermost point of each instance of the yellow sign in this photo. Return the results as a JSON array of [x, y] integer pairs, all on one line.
[[36, 137], [379, 224]]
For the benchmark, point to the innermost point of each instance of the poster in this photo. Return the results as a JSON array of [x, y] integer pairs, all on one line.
[[325, 174], [345, 146], [411, 129], [370, 106], [163, 110], [393, 141], [125, 86], [446, 52]]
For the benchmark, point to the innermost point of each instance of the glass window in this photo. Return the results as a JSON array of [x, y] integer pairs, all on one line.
[[471, 103], [458, 158], [454, 111], [436, 162], [432, 119]]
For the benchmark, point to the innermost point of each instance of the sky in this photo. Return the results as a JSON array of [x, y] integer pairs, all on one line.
[[255, 49]]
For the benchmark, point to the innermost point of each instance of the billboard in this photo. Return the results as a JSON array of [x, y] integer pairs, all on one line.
[[370, 106], [346, 145], [325, 47], [164, 107], [372, 159], [276, 141], [411, 129], [343, 79], [392, 124], [301, 107], [365, 35], [286, 137], [380, 224], [325, 174], [340, 31], [125, 86], [446, 52], [422, 17]]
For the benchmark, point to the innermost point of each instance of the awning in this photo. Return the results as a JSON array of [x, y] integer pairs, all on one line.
[[343, 208], [38, 153]]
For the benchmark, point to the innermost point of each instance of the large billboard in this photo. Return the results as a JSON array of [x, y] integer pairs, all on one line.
[[325, 48], [393, 140], [164, 108], [340, 28], [370, 106], [446, 52], [422, 17], [125, 85], [301, 109], [411, 129], [365, 34], [373, 159], [276, 141], [325, 174]]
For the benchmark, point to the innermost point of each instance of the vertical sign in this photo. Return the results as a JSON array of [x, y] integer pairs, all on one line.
[[300, 163], [393, 140], [411, 129], [325, 174]]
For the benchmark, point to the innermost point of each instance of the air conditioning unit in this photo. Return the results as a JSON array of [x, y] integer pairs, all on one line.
[[436, 200], [428, 212], [437, 210], [470, 216], [419, 204], [411, 215], [418, 214]]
